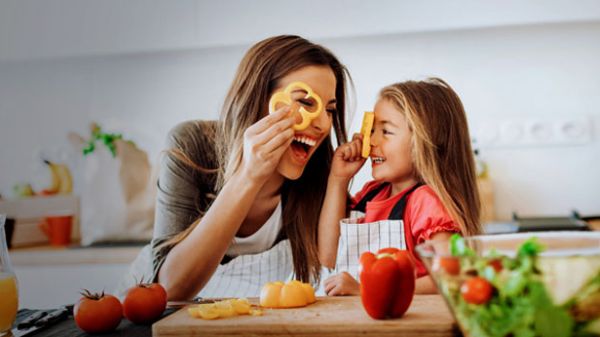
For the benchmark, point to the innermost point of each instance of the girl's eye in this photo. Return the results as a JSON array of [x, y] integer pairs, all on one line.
[[386, 132], [331, 111]]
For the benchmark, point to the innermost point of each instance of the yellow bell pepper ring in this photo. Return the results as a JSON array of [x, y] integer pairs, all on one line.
[[285, 97], [367, 126], [223, 309], [293, 294]]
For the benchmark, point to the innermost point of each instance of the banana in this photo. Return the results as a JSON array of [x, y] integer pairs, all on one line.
[[66, 181], [55, 184], [62, 181]]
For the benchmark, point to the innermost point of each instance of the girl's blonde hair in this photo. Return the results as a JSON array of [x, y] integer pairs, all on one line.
[[441, 146], [258, 74]]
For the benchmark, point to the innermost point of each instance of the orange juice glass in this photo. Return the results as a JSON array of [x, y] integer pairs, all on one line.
[[9, 303], [9, 298]]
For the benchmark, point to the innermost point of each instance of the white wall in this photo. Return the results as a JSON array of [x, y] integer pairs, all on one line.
[[34, 29], [545, 71]]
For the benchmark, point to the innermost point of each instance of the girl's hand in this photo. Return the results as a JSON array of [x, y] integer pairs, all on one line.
[[341, 284], [348, 159], [265, 142]]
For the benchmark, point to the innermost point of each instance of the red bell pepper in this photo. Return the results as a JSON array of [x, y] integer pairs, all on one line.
[[387, 282]]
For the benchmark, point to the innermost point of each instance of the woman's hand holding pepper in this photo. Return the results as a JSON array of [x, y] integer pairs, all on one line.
[[265, 142]]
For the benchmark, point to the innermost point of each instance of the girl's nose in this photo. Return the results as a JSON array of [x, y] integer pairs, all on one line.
[[374, 138]]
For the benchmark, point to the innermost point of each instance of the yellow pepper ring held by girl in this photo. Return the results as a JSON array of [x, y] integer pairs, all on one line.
[[367, 126], [285, 97]]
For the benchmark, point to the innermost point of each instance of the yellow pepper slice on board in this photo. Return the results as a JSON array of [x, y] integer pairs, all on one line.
[[367, 126], [285, 97], [223, 309]]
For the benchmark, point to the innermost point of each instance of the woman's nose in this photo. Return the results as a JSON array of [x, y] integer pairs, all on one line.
[[322, 122]]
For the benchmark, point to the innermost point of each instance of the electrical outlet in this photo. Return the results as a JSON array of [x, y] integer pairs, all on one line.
[[532, 132]]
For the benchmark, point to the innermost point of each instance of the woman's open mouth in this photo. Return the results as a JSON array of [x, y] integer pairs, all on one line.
[[301, 147]]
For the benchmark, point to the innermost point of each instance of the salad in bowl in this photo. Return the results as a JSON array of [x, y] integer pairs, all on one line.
[[526, 284]]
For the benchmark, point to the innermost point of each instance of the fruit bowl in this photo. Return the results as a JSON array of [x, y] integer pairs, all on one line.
[[526, 284]]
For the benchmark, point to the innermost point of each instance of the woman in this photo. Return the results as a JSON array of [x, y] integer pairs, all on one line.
[[253, 218]]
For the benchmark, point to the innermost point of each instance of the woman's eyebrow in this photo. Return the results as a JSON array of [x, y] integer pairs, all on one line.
[[332, 101]]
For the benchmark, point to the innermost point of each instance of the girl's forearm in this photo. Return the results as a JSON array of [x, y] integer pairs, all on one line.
[[191, 263], [425, 285], [333, 210]]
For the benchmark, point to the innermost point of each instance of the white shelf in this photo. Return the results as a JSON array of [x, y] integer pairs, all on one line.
[[29, 212]]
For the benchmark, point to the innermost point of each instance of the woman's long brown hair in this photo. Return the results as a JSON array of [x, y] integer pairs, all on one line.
[[258, 74], [441, 149]]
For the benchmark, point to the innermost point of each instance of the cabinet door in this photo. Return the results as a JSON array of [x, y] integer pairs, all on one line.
[[49, 287]]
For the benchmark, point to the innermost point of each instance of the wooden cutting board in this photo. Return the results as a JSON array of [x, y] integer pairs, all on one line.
[[329, 316]]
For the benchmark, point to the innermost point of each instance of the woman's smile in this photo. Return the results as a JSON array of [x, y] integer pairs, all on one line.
[[303, 147]]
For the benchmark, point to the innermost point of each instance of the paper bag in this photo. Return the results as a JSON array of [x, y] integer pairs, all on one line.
[[117, 196]]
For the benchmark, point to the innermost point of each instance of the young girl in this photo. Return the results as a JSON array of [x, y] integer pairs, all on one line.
[[424, 187]]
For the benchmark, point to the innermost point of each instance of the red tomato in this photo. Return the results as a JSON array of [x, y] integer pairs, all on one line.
[[451, 265], [476, 290], [145, 303], [97, 313], [496, 264], [158, 288]]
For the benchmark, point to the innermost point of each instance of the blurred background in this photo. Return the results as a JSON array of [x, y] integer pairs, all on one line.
[[528, 73]]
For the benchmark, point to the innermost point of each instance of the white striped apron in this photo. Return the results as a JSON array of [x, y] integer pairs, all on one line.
[[357, 237], [245, 275]]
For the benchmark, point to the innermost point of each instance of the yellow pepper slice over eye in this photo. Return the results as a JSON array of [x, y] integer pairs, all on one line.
[[285, 97], [367, 126]]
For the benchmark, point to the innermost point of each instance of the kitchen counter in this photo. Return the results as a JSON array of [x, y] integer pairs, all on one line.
[[329, 316]]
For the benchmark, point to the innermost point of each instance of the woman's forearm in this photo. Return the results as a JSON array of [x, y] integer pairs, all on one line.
[[334, 209], [191, 263]]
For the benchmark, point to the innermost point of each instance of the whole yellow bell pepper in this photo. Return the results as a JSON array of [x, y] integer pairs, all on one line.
[[289, 295]]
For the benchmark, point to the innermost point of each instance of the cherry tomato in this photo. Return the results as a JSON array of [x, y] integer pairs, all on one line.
[[476, 290], [450, 265], [97, 313], [145, 303], [496, 264]]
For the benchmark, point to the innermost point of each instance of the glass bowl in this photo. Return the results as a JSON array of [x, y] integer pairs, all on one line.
[[525, 284]]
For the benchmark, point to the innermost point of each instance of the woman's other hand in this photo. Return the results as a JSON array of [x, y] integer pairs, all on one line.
[[264, 144], [341, 284], [348, 159]]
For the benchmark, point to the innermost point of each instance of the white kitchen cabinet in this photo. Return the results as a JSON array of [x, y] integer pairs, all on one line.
[[51, 277], [43, 287]]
